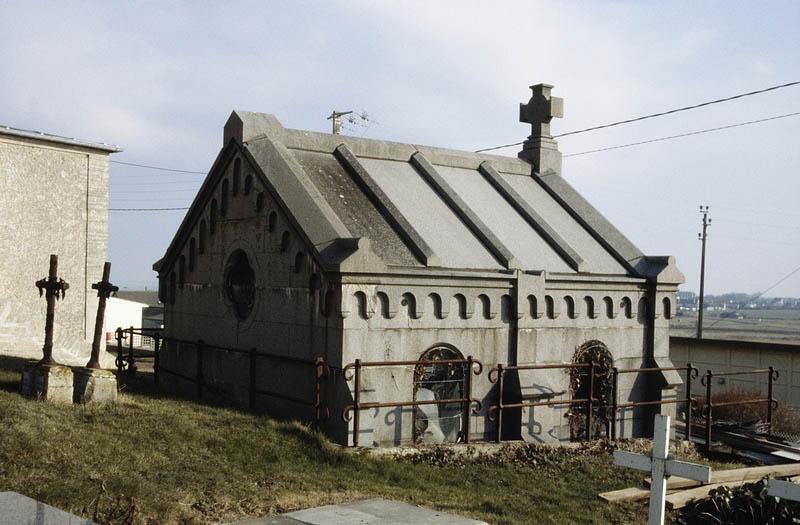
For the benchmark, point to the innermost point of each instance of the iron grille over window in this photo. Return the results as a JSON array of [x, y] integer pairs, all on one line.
[[438, 423]]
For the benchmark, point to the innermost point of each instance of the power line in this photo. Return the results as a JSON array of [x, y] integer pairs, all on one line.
[[678, 110], [128, 192], [653, 115], [190, 183], [146, 209], [670, 137], [146, 166], [779, 281], [761, 224]]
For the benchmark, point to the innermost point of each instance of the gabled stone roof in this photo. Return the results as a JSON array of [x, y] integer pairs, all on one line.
[[389, 205]]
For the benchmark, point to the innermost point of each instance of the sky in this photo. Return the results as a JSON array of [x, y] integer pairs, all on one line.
[[160, 79]]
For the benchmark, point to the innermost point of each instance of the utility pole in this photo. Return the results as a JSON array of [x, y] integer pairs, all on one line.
[[336, 117], [702, 237]]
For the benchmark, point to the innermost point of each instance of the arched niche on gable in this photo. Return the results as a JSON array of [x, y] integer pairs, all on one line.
[[435, 305], [409, 303]]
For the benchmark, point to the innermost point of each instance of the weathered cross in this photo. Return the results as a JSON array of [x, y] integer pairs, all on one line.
[[104, 289], [540, 110], [783, 489], [661, 465], [53, 289]]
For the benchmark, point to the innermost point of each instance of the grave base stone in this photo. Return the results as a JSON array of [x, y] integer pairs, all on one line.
[[47, 382], [16, 509], [94, 385]]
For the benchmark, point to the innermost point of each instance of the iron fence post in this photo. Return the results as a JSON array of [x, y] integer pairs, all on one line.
[[252, 398], [118, 334], [156, 356], [356, 401], [499, 402], [614, 401], [200, 369], [589, 403], [709, 376], [468, 404], [689, 402], [131, 366], [769, 400]]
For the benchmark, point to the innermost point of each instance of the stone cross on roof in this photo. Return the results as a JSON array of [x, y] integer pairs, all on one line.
[[540, 149], [540, 110]]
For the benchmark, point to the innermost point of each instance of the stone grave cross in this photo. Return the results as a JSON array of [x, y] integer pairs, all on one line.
[[53, 288], [540, 110], [104, 290], [783, 489], [661, 465]]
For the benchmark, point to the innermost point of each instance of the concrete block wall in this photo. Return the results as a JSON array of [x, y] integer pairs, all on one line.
[[734, 356], [55, 200]]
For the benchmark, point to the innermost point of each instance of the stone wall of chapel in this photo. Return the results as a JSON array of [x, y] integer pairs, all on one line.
[[393, 323], [54, 199], [288, 316]]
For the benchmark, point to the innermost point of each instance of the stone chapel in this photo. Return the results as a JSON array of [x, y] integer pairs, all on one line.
[[303, 244]]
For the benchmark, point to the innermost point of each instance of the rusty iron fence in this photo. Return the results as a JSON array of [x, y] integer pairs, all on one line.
[[318, 365], [616, 406], [770, 401], [353, 372], [495, 412], [126, 358]]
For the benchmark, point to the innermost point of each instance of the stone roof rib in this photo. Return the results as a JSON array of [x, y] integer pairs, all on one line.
[[371, 206], [473, 222], [531, 217], [388, 210]]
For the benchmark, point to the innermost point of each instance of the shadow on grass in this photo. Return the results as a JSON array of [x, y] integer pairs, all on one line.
[[11, 372]]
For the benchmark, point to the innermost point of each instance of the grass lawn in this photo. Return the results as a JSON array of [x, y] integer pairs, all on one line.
[[185, 462]]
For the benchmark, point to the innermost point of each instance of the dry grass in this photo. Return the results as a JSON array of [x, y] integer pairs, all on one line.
[[168, 460], [784, 419]]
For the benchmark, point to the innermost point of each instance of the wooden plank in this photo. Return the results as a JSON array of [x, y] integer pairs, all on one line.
[[680, 499], [738, 474], [629, 494]]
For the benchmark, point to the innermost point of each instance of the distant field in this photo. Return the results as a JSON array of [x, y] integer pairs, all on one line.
[[768, 325]]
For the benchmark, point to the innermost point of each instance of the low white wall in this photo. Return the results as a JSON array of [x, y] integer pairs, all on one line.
[[732, 356]]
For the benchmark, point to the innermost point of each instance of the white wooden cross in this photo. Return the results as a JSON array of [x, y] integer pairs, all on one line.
[[783, 489], [661, 465]]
